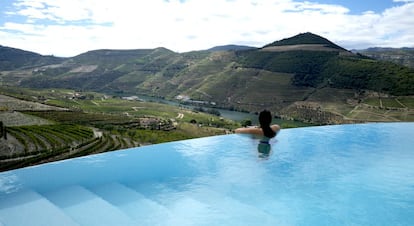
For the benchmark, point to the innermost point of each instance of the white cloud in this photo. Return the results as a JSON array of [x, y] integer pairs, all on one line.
[[68, 28]]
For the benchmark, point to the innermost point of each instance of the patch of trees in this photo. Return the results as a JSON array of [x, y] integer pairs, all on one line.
[[210, 111], [357, 73], [289, 62]]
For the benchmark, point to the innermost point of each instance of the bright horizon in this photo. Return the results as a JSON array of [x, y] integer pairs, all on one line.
[[68, 28]]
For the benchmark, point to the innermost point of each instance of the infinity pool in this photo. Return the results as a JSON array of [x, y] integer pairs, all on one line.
[[331, 175]]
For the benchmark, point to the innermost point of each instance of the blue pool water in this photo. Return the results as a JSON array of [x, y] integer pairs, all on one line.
[[331, 175]]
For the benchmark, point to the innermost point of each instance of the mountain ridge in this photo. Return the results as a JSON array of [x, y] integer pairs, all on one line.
[[247, 79]]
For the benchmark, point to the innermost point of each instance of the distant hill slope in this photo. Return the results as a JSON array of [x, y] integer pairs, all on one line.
[[231, 48], [12, 58], [276, 76], [402, 56]]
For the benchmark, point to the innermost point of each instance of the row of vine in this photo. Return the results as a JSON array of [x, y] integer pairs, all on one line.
[[44, 143]]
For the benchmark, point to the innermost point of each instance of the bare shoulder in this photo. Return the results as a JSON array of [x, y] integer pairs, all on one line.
[[275, 128], [256, 130]]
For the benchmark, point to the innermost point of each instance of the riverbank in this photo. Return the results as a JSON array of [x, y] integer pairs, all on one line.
[[237, 116]]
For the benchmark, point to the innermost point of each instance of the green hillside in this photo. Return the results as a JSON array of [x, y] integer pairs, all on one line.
[[305, 38], [403, 56], [336, 68], [12, 58], [280, 76]]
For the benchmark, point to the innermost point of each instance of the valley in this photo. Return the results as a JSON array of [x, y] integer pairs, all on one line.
[[56, 108], [48, 125]]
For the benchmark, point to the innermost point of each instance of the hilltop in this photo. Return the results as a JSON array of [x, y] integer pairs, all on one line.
[[305, 77], [305, 39]]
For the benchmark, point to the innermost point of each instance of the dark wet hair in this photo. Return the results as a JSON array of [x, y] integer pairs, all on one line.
[[265, 118]]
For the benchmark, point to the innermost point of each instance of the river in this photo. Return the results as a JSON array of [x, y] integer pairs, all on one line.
[[228, 114]]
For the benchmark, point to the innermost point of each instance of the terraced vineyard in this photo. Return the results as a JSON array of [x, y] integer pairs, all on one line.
[[33, 132], [44, 143]]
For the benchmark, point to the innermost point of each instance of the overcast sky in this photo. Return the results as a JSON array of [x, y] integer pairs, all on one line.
[[71, 27]]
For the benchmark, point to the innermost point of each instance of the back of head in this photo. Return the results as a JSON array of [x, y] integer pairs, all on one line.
[[265, 118]]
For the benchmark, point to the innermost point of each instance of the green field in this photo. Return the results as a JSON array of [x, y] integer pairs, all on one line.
[[48, 125], [407, 101], [391, 102]]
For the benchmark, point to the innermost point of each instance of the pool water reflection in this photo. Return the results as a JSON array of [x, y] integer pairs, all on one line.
[[331, 175]]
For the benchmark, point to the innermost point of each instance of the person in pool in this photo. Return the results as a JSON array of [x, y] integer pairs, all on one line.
[[266, 131]]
